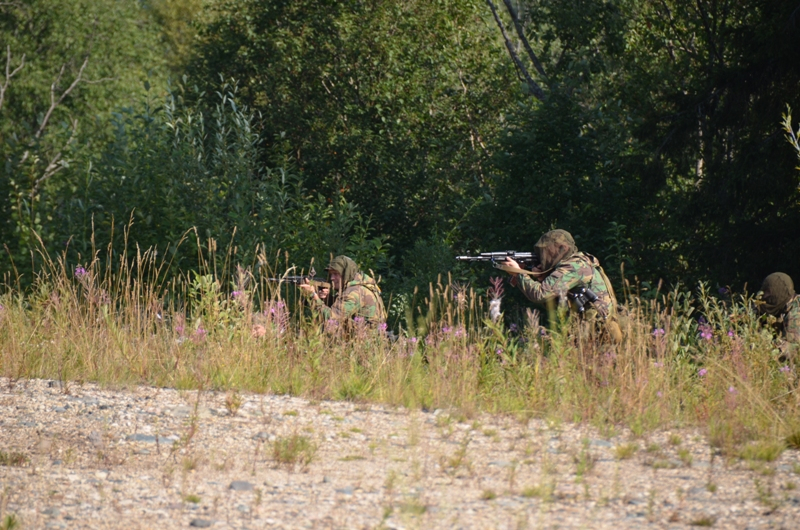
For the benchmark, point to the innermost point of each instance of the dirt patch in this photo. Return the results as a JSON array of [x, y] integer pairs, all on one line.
[[89, 457]]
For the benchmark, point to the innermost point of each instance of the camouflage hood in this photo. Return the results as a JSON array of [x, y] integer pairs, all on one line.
[[346, 268], [365, 280], [776, 291], [553, 247]]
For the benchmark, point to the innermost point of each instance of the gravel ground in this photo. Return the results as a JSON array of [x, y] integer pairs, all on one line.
[[147, 457]]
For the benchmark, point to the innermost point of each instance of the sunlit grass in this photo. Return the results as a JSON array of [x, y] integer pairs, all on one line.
[[228, 329]]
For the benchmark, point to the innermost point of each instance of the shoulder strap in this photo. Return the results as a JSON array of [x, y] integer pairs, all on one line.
[[596, 264]]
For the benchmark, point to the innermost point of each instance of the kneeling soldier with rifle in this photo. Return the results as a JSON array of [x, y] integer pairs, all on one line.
[[355, 294], [560, 273]]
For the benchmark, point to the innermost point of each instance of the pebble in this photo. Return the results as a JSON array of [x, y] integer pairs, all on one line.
[[410, 463], [241, 485]]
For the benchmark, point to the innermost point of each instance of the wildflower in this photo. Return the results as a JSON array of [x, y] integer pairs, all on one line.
[[702, 372], [658, 364], [358, 320], [280, 304], [731, 390], [731, 333], [382, 326], [235, 294], [413, 340], [705, 332], [459, 332], [723, 290], [179, 329], [512, 328], [200, 332], [446, 329], [499, 351], [495, 292], [80, 272], [785, 369], [331, 323], [658, 332], [659, 394]]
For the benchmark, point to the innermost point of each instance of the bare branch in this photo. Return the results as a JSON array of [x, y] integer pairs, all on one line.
[[521, 32], [9, 73], [534, 88], [53, 102], [53, 166]]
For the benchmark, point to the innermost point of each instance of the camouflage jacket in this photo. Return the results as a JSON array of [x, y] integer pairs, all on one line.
[[788, 324], [361, 298], [578, 269]]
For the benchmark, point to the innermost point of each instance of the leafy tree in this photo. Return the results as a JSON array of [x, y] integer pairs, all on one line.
[[67, 63], [392, 104], [175, 167], [658, 139]]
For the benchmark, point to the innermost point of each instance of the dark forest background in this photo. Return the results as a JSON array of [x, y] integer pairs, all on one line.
[[404, 132]]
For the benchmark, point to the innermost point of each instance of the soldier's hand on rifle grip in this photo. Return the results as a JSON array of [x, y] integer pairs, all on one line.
[[307, 289]]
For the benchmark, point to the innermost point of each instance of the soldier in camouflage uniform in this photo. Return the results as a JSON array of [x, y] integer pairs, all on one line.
[[778, 299], [561, 268], [357, 296]]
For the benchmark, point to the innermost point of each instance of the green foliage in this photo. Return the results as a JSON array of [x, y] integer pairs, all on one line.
[[197, 166], [13, 458], [392, 104], [657, 143], [74, 61], [293, 450]]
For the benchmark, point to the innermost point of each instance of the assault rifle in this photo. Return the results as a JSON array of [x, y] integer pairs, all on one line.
[[529, 259], [310, 279]]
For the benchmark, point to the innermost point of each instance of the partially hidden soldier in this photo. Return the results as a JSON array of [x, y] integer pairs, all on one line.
[[778, 299], [355, 295], [561, 269]]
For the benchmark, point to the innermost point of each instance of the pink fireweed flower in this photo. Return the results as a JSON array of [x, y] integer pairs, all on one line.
[[499, 351], [459, 332], [659, 394], [446, 329], [512, 328], [785, 369], [413, 340], [200, 332], [382, 326], [731, 333], [702, 372], [80, 272], [658, 364], [731, 390], [705, 332], [658, 332], [235, 294], [358, 320], [179, 329]]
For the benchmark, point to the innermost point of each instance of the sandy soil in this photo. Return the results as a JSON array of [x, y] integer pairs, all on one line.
[[158, 458]]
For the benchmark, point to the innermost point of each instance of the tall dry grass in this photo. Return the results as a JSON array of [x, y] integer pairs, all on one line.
[[687, 359]]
